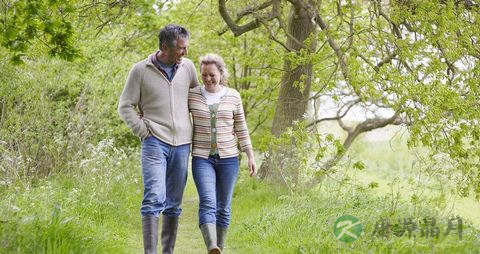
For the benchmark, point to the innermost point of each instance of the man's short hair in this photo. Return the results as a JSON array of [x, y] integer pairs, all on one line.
[[170, 33]]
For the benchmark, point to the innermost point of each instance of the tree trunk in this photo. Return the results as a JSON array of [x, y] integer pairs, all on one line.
[[296, 82]]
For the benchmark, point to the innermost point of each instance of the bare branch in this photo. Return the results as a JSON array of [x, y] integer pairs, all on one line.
[[384, 61], [329, 78], [269, 67], [253, 9], [289, 35], [259, 123], [247, 11], [272, 36], [365, 126], [351, 25], [451, 67], [235, 80], [387, 18], [333, 44], [376, 123], [194, 11], [3, 110], [255, 23], [338, 117], [343, 126]]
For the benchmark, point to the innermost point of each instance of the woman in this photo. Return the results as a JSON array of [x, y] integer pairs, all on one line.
[[218, 124]]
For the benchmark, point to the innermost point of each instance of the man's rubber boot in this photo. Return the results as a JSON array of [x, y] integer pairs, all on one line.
[[150, 234], [169, 234]]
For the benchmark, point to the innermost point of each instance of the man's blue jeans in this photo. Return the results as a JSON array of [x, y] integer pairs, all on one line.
[[164, 170], [215, 179]]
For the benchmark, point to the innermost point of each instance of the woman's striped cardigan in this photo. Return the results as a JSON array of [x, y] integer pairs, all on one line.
[[230, 124]]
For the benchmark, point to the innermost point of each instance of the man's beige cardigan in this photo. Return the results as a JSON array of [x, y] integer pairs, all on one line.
[[163, 104]]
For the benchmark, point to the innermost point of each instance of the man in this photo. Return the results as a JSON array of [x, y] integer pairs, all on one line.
[[154, 106]]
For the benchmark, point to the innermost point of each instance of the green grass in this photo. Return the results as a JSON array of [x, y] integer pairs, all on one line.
[[304, 224], [96, 210], [88, 211]]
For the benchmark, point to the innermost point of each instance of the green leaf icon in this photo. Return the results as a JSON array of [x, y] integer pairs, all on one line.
[[347, 228]]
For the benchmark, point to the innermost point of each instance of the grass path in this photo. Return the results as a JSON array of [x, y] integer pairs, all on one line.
[[189, 239]]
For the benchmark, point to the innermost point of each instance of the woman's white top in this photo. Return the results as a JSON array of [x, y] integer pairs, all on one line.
[[213, 98]]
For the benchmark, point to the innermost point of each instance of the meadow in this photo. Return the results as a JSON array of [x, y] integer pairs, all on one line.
[[96, 209]]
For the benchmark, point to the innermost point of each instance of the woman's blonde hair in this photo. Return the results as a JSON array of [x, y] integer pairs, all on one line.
[[218, 61]]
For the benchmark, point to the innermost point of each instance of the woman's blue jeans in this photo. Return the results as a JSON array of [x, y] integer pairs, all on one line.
[[164, 171], [215, 179]]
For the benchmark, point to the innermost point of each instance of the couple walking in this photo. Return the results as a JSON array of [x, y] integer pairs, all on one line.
[[159, 95]]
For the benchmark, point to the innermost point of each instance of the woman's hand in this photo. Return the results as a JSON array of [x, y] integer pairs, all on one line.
[[252, 166]]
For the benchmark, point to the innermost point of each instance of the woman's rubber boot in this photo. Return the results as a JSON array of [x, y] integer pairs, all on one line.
[[221, 236], [209, 233]]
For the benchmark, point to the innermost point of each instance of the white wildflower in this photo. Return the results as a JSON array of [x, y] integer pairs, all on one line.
[[15, 208]]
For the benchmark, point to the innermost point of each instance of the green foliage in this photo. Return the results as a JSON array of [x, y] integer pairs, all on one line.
[[416, 58], [84, 211], [60, 25], [41, 108], [431, 81], [359, 165], [26, 22], [53, 109], [299, 155]]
